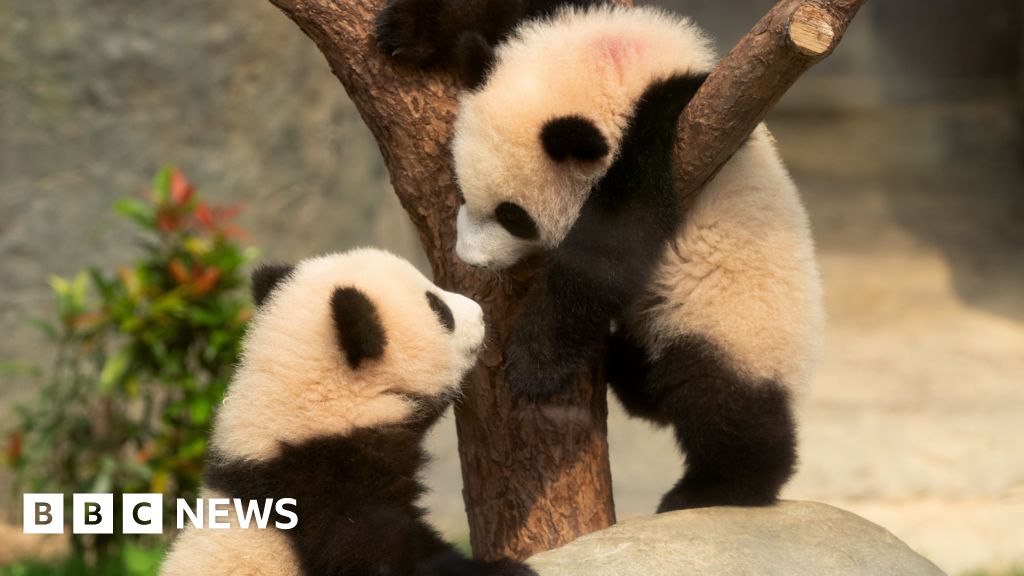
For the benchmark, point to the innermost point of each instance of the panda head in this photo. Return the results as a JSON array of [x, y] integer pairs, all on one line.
[[542, 121], [345, 341]]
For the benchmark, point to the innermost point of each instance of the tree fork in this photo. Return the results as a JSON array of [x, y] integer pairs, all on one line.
[[537, 477]]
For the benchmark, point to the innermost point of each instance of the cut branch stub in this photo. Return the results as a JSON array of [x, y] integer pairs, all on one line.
[[811, 31]]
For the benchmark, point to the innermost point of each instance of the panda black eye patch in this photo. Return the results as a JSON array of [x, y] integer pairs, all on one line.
[[513, 218], [444, 313]]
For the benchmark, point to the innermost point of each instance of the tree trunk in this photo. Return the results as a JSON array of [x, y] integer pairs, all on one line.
[[537, 477]]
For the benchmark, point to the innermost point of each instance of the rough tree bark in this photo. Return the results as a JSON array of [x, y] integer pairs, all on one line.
[[537, 477]]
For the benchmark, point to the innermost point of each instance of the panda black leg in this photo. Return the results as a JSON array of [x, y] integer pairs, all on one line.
[[739, 436], [627, 372]]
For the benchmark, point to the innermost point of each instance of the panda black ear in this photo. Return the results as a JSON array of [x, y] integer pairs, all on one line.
[[573, 137], [360, 332], [265, 278], [475, 59]]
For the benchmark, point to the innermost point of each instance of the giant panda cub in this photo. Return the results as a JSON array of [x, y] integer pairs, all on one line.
[[348, 360], [710, 314]]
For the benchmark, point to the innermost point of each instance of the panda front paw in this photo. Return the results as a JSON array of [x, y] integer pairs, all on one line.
[[410, 31], [531, 375]]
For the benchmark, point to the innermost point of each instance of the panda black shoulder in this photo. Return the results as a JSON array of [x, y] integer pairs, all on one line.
[[357, 477]]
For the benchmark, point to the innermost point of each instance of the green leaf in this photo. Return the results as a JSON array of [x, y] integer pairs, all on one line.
[[114, 370], [18, 368], [200, 411], [193, 449], [162, 185], [79, 285], [106, 288], [59, 285], [136, 210], [104, 480], [141, 561], [45, 327]]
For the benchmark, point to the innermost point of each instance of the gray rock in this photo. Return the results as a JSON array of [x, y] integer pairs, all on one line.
[[791, 539]]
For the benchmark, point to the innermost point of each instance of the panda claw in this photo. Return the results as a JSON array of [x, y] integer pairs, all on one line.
[[405, 34]]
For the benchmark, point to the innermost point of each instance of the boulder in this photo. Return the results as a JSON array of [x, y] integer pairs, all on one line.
[[790, 539]]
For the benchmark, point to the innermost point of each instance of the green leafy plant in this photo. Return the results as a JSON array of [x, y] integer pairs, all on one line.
[[132, 560], [143, 355]]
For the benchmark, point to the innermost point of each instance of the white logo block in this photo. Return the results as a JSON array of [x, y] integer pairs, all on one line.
[[92, 514], [43, 513], [142, 513]]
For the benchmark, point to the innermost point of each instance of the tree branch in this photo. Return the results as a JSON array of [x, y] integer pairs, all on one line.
[[785, 43], [538, 477]]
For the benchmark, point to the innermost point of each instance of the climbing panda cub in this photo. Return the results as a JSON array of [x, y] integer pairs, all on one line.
[[710, 314], [348, 360]]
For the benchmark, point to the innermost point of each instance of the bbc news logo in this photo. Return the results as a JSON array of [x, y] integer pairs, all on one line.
[[144, 513]]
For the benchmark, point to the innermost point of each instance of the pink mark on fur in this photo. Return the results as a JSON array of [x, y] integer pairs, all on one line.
[[619, 52]]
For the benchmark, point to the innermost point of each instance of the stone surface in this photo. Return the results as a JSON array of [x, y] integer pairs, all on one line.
[[791, 539]]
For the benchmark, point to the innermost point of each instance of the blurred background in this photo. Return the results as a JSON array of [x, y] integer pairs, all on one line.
[[906, 143]]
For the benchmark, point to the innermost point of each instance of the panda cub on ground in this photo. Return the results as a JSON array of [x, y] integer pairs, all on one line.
[[564, 144], [348, 360]]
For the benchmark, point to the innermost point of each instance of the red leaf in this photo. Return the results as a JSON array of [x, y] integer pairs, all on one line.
[[235, 232], [179, 272], [206, 281], [167, 222], [14, 447], [181, 189], [204, 215]]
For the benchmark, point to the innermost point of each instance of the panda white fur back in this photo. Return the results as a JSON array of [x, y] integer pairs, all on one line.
[[742, 272], [564, 144], [348, 360]]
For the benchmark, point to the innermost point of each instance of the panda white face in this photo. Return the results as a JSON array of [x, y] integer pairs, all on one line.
[[370, 322], [345, 341], [498, 241], [519, 197]]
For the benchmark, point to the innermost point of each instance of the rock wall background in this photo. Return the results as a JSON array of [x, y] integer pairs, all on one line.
[[906, 143]]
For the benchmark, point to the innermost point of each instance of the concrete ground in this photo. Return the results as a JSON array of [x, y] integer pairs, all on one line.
[[916, 419]]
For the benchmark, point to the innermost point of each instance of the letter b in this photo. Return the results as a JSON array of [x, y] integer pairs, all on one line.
[[93, 514], [43, 513]]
